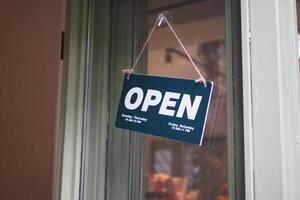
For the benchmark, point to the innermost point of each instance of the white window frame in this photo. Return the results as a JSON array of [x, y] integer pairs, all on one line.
[[271, 99]]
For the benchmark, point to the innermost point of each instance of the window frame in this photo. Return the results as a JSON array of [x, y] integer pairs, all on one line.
[[266, 113], [71, 108]]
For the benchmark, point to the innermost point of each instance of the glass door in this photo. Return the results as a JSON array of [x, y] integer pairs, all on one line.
[[111, 163], [176, 170]]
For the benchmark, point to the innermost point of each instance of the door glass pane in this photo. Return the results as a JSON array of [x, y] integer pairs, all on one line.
[[175, 170]]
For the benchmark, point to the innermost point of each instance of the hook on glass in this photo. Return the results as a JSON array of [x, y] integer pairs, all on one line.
[[161, 18]]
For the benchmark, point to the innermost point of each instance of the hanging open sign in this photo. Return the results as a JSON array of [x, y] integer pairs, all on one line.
[[167, 107]]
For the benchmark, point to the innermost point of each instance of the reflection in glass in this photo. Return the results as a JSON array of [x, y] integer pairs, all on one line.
[[179, 171]]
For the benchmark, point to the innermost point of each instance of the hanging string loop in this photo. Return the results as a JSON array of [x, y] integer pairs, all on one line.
[[159, 22]]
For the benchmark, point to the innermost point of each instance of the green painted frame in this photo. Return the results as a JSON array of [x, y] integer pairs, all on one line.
[[112, 156], [235, 121], [96, 118], [72, 101]]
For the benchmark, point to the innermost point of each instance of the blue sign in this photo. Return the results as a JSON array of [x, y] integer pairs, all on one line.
[[166, 107]]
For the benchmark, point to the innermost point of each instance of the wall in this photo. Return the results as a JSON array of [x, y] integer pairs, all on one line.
[[30, 71]]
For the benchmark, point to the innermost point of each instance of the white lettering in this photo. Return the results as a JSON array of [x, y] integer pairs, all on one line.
[[186, 104], [138, 101], [168, 103], [149, 101]]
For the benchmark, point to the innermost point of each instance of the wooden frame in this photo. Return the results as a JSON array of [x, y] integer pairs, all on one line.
[[72, 101], [234, 101], [271, 99]]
